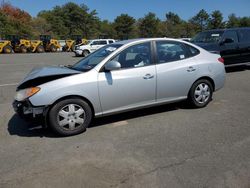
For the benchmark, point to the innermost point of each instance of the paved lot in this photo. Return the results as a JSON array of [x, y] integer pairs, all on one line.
[[168, 146]]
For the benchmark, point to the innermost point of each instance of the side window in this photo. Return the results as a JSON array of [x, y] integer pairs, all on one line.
[[231, 35], [244, 35], [110, 41], [102, 42], [192, 50], [135, 56], [168, 51], [95, 43]]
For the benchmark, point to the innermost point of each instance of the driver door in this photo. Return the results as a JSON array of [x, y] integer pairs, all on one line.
[[133, 85]]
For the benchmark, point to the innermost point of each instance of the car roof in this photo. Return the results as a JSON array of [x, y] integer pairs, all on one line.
[[227, 29], [100, 39], [123, 42]]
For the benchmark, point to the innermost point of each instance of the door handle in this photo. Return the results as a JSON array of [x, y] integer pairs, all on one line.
[[191, 69], [148, 76]]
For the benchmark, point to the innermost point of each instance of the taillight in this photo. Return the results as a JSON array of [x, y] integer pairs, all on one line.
[[221, 60]]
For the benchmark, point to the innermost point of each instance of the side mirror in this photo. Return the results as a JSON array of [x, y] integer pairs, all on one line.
[[227, 41], [112, 65]]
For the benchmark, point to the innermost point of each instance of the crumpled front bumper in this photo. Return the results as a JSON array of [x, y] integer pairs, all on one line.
[[27, 111]]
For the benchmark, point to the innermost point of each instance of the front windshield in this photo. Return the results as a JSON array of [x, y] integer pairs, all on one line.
[[95, 58], [208, 37]]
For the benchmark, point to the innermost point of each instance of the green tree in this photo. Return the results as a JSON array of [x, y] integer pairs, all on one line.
[[71, 19], [56, 22], [216, 20], [124, 26], [200, 20], [174, 26], [173, 18], [3, 22], [14, 21], [89, 23], [233, 21], [244, 22], [40, 26], [149, 26], [106, 29]]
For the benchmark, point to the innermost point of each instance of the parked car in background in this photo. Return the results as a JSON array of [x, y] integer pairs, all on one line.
[[120, 77], [232, 44], [91, 46]]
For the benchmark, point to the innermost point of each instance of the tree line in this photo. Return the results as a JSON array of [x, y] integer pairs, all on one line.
[[73, 19]]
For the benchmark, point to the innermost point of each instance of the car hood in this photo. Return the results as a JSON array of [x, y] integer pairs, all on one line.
[[45, 74], [211, 47]]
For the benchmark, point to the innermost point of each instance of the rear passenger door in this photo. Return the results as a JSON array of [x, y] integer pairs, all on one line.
[[176, 70], [230, 51], [244, 44]]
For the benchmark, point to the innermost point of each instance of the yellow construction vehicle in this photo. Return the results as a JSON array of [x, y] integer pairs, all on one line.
[[50, 45], [5, 47], [72, 41], [19, 44], [37, 46]]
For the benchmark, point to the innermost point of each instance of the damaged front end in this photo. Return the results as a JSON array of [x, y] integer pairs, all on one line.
[[30, 86], [29, 112]]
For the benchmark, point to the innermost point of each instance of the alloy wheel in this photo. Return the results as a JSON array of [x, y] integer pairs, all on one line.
[[202, 93], [71, 116]]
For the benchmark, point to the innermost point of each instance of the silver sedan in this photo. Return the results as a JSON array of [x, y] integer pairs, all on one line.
[[123, 76]]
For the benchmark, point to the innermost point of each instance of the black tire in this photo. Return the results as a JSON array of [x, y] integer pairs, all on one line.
[[55, 119], [65, 48], [23, 49], [7, 49], [85, 53], [52, 48], [72, 48], [40, 49], [205, 94]]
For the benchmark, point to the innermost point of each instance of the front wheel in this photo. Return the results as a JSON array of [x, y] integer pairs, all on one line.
[[85, 53], [23, 49], [7, 49], [40, 49], [70, 117], [200, 93], [53, 48]]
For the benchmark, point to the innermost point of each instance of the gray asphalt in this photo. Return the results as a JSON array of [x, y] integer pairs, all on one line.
[[168, 146]]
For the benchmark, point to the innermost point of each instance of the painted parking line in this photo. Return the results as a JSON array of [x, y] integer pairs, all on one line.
[[12, 84]]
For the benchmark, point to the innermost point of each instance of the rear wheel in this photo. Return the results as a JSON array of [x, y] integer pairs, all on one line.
[[7, 49], [23, 49], [72, 48], [85, 53], [70, 117], [52, 48], [200, 93], [40, 49], [64, 48]]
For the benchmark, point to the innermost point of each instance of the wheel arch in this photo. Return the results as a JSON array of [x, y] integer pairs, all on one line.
[[206, 78], [86, 50], [72, 97]]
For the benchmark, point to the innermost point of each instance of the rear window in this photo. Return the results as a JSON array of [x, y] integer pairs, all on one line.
[[192, 50], [208, 37], [244, 35]]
